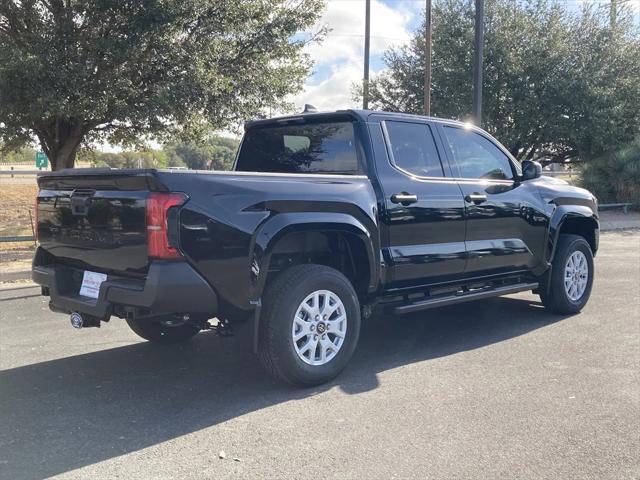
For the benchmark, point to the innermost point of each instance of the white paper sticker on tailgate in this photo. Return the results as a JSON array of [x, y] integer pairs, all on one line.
[[91, 282]]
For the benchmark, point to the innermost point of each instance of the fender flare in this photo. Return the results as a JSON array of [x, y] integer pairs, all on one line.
[[557, 220], [560, 217], [278, 226]]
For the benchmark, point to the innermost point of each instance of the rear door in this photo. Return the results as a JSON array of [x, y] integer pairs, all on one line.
[[503, 230], [423, 212]]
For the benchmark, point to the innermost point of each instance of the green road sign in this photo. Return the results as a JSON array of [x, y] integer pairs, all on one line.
[[41, 160]]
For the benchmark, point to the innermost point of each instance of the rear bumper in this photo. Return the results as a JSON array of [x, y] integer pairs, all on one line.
[[170, 287]]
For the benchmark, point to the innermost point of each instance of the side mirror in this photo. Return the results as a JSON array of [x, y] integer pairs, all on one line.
[[531, 170]]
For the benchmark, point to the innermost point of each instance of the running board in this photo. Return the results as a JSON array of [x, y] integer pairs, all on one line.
[[464, 297]]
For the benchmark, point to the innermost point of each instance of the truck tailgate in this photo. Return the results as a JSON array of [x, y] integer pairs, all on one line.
[[96, 220]]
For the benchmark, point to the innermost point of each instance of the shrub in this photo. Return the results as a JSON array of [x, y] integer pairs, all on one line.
[[615, 177]]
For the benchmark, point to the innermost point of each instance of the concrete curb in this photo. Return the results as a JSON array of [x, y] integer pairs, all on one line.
[[14, 276], [11, 291]]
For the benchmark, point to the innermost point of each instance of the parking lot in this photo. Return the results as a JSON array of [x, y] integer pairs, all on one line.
[[493, 389]]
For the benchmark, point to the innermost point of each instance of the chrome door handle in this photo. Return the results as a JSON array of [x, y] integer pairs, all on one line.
[[476, 198], [404, 198]]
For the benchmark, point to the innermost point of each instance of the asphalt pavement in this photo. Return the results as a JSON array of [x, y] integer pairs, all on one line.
[[493, 389]]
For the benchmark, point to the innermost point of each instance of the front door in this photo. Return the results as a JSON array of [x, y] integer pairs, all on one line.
[[505, 231], [422, 214]]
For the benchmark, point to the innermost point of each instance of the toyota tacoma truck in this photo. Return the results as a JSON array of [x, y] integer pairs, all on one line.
[[325, 218]]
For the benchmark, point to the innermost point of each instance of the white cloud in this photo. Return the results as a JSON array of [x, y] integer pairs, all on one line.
[[339, 59], [346, 21], [334, 93]]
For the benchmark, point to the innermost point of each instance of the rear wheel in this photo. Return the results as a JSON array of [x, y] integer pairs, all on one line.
[[161, 330], [569, 285], [309, 326]]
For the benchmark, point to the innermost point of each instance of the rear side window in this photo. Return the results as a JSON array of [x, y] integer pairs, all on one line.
[[476, 156], [328, 148], [414, 149]]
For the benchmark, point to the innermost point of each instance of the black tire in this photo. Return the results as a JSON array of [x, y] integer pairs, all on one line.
[[282, 298], [156, 332], [553, 293]]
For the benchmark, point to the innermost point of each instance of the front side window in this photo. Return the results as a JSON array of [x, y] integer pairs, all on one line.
[[327, 148], [414, 149], [476, 156]]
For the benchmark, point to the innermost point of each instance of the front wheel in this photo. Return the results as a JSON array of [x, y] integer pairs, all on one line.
[[309, 326], [569, 285]]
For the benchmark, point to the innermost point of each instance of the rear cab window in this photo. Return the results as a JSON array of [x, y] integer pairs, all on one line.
[[314, 148], [413, 149]]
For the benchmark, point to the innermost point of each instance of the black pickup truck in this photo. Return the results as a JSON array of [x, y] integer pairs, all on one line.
[[326, 217]]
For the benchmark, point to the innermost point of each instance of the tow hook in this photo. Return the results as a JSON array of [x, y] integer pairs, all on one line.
[[220, 327], [82, 321], [224, 328]]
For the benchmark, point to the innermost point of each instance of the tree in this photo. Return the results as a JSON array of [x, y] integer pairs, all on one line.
[[217, 153], [615, 175], [25, 154], [223, 152], [131, 159], [556, 84], [74, 72]]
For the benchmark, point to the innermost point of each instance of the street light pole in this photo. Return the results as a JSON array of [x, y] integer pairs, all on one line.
[[477, 64], [427, 64], [367, 38]]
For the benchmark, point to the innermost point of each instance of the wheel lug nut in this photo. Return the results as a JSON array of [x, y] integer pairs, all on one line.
[[313, 327], [315, 337], [324, 317], [324, 336], [317, 317]]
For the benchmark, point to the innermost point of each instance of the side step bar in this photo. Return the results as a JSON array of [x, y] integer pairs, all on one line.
[[464, 297]]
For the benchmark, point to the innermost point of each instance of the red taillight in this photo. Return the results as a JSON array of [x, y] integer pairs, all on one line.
[[35, 215], [158, 205]]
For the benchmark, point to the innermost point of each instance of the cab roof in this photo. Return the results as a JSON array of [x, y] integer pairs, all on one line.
[[344, 115]]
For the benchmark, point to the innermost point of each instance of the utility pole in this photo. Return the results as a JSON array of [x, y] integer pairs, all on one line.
[[477, 64], [367, 38], [427, 54], [613, 14]]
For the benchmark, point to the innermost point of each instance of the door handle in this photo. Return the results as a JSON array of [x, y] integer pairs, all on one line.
[[404, 198], [476, 198]]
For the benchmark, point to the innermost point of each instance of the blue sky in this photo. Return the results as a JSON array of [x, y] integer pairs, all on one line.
[[338, 61]]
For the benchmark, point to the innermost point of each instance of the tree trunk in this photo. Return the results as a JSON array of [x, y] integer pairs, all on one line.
[[515, 150], [60, 139], [532, 152]]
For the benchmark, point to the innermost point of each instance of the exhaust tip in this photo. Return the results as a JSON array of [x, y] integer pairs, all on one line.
[[76, 320]]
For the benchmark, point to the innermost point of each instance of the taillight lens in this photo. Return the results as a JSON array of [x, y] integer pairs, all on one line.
[[158, 205], [35, 218]]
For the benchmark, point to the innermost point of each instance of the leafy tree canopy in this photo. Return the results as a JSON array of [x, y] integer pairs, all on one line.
[[217, 153], [73, 72], [128, 159], [26, 154], [556, 84]]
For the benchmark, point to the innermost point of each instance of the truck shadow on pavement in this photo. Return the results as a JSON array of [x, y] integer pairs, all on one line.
[[72, 412]]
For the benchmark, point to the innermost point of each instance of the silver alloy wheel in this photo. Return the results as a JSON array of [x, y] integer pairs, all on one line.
[[319, 327], [576, 275]]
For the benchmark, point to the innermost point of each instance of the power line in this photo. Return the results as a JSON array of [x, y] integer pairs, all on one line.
[[362, 36]]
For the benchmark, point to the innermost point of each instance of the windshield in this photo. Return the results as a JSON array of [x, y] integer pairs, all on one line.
[[327, 148]]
